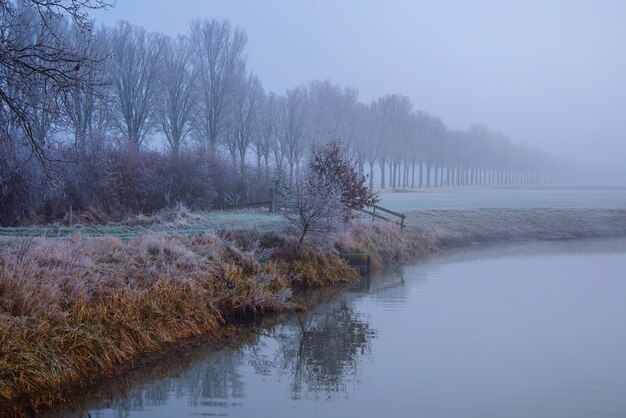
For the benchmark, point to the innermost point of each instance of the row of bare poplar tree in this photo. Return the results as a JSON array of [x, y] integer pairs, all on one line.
[[126, 120]]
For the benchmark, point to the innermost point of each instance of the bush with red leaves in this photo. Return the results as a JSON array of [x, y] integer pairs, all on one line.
[[336, 170]]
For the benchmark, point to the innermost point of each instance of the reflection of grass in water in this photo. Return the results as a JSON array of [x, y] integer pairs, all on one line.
[[188, 367], [206, 369]]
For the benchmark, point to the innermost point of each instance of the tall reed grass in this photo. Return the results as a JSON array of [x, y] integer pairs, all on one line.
[[77, 309]]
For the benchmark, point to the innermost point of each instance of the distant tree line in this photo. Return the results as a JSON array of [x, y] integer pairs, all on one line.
[[124, 120]]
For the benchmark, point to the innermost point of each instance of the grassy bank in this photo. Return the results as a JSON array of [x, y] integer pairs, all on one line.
[[449, 228], [77, 309], [433, 230], [74, 310]]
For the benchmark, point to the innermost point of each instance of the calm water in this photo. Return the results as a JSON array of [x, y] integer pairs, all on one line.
[[532, 330], [506, 198]]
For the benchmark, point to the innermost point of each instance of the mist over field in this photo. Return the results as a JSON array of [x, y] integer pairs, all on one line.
[[548, 74], [134, 106], [212, 207]]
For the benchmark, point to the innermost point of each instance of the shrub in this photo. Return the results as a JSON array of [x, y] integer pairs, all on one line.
[[325, 197], [330, 163], [117, 180]]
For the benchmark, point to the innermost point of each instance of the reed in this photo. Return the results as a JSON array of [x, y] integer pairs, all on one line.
[[385, 243], [310, 267], [72, 310]]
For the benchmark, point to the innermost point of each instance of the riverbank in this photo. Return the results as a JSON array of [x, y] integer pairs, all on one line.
[[433, 230], [72, 310], [75, 310]]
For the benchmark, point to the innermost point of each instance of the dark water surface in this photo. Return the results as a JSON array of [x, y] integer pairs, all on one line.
[[525, 330]]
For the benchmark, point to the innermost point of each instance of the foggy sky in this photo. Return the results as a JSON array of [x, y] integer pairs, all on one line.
[[551, 74]]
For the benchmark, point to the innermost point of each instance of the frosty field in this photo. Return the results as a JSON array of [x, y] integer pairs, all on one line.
[[509, 198], [417, 205]]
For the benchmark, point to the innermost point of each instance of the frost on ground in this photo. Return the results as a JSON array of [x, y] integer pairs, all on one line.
[[460, 227], [454, 227], [175, 223], [450, 198]]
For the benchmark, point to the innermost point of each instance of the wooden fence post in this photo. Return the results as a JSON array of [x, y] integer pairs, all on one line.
[[376, 214]]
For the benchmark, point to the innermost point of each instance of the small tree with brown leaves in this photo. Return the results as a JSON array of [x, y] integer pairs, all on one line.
[[327, 195], [336, 170]]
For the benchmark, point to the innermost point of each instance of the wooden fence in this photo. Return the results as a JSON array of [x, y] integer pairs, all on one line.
[[387, 215]]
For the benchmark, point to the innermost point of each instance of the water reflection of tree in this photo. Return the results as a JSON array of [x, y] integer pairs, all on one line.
[[321, 351], [218, 380]]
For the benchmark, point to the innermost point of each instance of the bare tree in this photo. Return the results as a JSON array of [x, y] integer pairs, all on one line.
[[294, 123], [266, 138], [429, 132], [245, 114], [312, 207], [392, 113], [134, 73], [38, 65], [178, 96], [86, 109], [329, 110], [218, 57]]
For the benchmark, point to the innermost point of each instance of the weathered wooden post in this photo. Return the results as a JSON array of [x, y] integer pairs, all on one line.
[[70, 217]]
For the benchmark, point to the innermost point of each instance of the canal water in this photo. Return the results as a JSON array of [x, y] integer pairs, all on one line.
[[522, 330]]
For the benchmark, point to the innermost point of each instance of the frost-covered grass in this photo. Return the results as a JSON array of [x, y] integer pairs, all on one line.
[[461, 227], [180, 221], [73, 310], [189, 225], [503, 198], [429, 231]]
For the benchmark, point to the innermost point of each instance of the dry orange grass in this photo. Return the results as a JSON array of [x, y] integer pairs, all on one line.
[[385, 243], [71, 310], [310, 267]]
